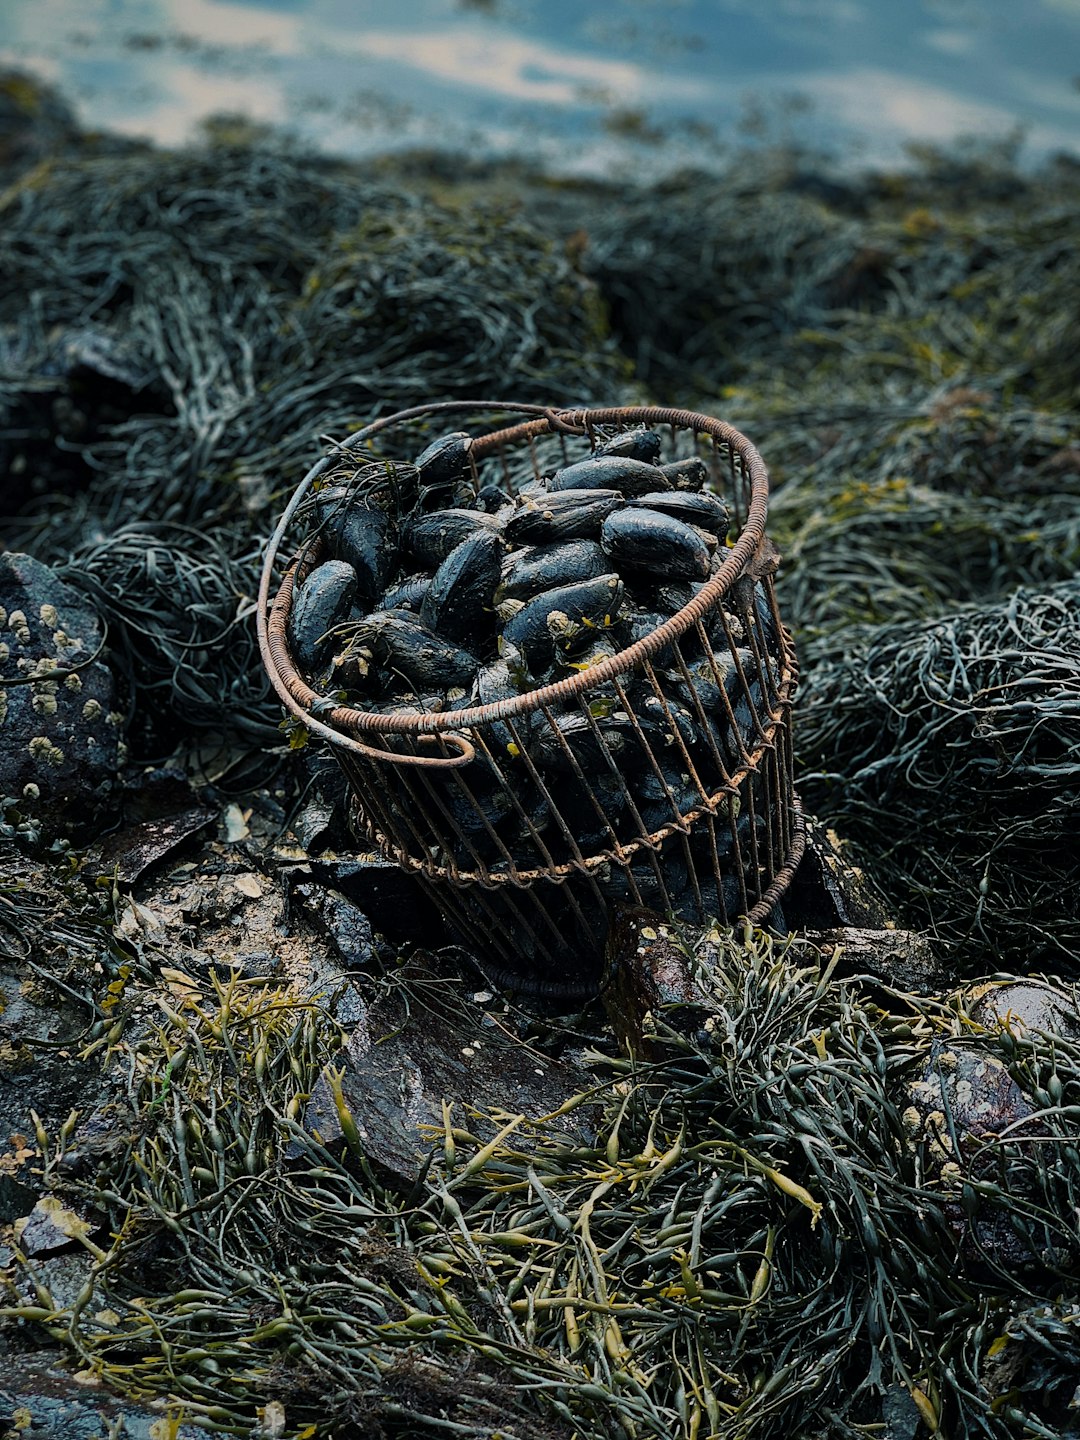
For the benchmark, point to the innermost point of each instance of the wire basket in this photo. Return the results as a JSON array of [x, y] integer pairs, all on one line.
[[660, 776]]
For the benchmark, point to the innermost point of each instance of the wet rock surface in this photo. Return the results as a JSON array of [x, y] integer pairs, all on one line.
[[39, 1400], [60, 736], [963, 1115], [647, 966], [426, 1042]]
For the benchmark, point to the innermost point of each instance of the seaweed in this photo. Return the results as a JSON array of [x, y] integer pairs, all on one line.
[[181, 626], [759, 1240], [766, 1233], [948, 748], [178, 332], [260, 301]]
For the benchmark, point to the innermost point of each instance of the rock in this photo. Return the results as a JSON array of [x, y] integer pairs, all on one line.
[[1025, 1005], [390, 897], [954, 1113], [60, 737], [902, 959], [342, 922], [827, 890], [35, 121], [646, 968], [419, 1044], [131, 851], [42, 1022], [50, 1227], [41, 1401]]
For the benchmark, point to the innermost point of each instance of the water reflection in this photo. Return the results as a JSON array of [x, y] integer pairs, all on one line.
[[593, 85]]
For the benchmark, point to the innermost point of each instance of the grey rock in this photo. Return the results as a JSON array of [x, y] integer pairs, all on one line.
[[422, 1043], [60, 736], [1026, 1005], [60, 1407]]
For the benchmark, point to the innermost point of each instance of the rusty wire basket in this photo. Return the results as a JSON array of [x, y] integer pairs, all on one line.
[[527, 842]]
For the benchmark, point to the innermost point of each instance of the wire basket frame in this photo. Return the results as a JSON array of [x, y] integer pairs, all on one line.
[[661, 776]]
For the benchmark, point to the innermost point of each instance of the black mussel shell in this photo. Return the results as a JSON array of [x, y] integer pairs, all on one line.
[[542, 567], [716, 707], [700, 509], [688, 474], [491, 498], [588, 604], [608, 472], [641, 623], [503, 680], [543, 518], [476, 798], [367, 538], [670, 599], [460, 603], [589, 653], [654, 544], [323, 601], [670, 727], [639, 444], [402, 644], [432, 537], [445, 461], [407, 594], [593, 745], [667, 798]]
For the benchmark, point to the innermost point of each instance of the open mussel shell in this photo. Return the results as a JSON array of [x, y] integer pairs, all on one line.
[[654, 544]]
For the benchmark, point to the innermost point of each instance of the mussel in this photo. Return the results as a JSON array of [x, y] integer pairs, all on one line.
[[460, 600], [688, 474], [541, 567], [654, 544], [432, 537], [323, 601], [636, 444], [700, 509], [400, 643], [589, 604], [608, 472], [445, 462], [570, 515], [364, 535]]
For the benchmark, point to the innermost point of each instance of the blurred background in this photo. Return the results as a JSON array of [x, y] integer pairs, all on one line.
[[611, 86]]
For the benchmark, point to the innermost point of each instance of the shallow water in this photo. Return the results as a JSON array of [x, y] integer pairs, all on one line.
[[631, 84]]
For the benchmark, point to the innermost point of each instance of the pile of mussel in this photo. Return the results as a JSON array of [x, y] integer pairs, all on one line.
[[443, 584]]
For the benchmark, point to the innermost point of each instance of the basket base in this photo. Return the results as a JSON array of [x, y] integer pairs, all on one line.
[[551, 936]]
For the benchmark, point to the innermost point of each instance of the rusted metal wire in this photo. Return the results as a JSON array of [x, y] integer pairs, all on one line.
[[529, 855]]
